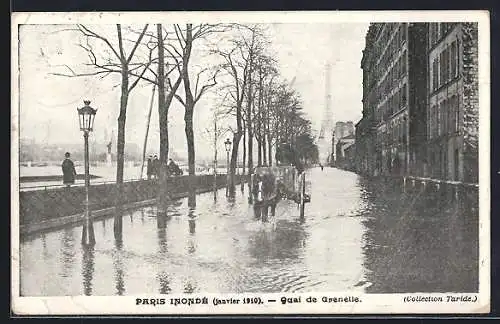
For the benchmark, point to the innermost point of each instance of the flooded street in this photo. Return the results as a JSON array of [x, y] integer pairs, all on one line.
[[357, 235]]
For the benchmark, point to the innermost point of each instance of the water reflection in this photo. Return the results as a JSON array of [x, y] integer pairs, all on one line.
[[67, 252], [191, 220], [189, 287], [355, 232], [118, 267], [164, 281], [103, 223], [283, 242], [87, 268], [162, 238], [415, 241]]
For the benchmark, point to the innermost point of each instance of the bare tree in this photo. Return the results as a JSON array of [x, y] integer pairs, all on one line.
[[131, 73], [119, 62], [185, 39], [236, 64], [166, 63]]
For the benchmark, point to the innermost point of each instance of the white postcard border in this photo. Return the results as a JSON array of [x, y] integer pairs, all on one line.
[[370, 303]]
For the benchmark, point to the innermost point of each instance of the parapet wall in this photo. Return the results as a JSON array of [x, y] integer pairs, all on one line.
[[42, 205]]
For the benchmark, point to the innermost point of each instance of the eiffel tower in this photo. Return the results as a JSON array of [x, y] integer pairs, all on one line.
[[326, 131]]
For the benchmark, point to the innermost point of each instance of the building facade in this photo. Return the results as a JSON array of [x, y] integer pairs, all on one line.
[[389, 95], [420, 101], [342, 145], [341, 130], [453, 102]]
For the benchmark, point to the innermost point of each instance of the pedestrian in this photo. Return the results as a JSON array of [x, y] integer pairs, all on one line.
[[174, 168], [396, 165], [68, 169], [156, 167], [321, 166], [149, 168]]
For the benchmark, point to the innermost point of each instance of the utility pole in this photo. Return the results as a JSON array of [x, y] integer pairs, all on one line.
[[147, 130], [215, 156]]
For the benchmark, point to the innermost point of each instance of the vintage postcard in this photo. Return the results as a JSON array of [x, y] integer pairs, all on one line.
[[250, 163]]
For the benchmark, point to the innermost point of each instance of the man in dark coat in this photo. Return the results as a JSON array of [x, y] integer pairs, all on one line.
[[69, 171], [149, 168], [156, 167]]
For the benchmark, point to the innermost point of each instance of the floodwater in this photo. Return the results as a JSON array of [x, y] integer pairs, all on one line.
[[356, 235]]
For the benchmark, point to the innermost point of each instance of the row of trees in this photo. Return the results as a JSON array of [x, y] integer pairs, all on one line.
[[258, 105]]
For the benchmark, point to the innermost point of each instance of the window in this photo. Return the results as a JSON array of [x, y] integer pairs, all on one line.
[[432, 123], [432, 33], [454, 59], [442, 75], [456, 109], [444, 117], [438, 121], [403, 64], [403, 96], [435, 74]]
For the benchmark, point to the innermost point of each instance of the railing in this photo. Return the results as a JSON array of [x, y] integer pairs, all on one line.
[[439, 181], [92, 183]]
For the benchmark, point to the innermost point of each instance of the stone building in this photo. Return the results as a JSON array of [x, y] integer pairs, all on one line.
[[453, 102], [342, 145], [394, 83], [341, 130], [420, 101]]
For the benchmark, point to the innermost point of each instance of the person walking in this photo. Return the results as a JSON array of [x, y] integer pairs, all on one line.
[[156, 167], [68, 169], [149, 168]]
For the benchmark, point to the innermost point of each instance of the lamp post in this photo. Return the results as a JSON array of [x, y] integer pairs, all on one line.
[[86, 116], [227, 144]]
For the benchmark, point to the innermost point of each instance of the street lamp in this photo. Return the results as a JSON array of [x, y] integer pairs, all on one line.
[[86, 116], [227, 144]]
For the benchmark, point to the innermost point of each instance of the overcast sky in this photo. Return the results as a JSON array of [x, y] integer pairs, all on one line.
[[48, 103]]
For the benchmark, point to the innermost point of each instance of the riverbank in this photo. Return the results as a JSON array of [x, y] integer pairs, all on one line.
[[48, 209]]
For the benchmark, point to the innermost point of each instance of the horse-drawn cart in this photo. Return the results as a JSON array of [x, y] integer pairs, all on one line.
[[271, 184]]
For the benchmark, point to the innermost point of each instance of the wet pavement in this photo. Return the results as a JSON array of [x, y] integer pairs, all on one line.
[[357, 235]]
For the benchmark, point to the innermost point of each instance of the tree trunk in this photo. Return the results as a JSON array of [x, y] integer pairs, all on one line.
[[259, 120], [269, 152], [259, 153], [163, 123], [120, 149], [264, 151], [244, 149], [188, 129], [188, 115], [249, 130], [232, 165]]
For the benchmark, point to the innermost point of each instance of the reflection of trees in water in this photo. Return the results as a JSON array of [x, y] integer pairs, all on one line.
[[285, 242], [67, 252], [45, 251], [419, 241], [87, 269], [162, 240], [189, 287], [164, 281], [162, 276], [192, 220], [118, 266]]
